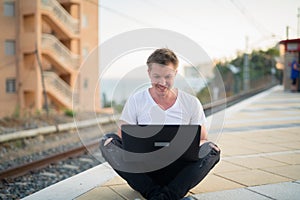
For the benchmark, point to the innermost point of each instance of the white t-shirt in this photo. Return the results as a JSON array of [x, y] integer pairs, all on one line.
[[140, 108]]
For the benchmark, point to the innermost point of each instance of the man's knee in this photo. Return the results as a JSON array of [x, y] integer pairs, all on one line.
[[110, 138], [209, 155], [216, 152], [209, 149], [110, 147]]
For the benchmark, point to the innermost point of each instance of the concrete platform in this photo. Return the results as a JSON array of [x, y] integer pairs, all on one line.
[[260, 159]]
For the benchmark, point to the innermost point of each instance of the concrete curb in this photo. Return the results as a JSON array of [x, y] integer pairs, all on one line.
[[56, 128], [76, 185]]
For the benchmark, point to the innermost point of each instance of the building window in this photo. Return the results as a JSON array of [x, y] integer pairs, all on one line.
[[84, 21], [86, 83], [9, 9], [10, 85], [10, 47]]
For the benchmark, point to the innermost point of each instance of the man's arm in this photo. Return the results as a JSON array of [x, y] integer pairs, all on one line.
[[203, 137], [107, 141], [119, 129]]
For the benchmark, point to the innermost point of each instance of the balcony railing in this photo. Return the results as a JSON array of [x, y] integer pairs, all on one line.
[[61, 14], [63, 54], [62, 90]]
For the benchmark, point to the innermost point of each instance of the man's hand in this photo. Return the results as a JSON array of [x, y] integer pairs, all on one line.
[[211, 144], [108, 141]]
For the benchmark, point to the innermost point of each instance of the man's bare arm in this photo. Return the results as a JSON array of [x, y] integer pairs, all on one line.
[[203, 137]]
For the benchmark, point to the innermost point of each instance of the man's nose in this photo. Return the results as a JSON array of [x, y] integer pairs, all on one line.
[[162, 81]]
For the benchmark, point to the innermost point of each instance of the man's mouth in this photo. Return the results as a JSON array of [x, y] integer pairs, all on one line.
[[161, 88]]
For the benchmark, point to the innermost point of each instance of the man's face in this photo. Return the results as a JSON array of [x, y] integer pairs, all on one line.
[[162, 77]]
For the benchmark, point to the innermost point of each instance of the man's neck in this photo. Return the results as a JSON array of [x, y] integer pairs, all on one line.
[[164, 101]]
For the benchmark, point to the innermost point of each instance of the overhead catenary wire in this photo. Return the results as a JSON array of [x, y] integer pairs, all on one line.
[[121, 14], [256, 24], [260, 28], [237, 4]]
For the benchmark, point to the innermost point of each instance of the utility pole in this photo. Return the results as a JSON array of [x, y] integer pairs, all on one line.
[[246, 75], [287, 32], [43, 82]]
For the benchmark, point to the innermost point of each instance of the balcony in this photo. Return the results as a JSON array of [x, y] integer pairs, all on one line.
[[69, 1], [59, 18], [60, 53], [59, 91]]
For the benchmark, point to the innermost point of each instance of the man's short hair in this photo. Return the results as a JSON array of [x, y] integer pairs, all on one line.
[[163, 56]]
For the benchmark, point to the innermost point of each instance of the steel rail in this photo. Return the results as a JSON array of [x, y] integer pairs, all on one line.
[[221, 104], [38, 164]]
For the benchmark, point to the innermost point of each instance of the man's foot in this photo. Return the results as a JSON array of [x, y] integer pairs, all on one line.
[[159, 197]]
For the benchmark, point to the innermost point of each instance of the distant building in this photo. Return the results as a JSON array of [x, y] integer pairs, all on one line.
[[191, 72], [61, 33], [290, 49], [203, 70]]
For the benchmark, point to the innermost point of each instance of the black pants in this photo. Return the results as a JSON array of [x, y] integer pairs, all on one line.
[[171, 182]]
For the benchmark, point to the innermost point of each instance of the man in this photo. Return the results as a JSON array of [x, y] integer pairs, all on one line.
[[294, 75], [163, 104]]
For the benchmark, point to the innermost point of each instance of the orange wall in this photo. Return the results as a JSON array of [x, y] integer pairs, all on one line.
[[8, 101], [90, 67], [26, 28]]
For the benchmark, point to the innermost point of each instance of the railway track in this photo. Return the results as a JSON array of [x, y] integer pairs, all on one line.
[[219, 105], [34, 165]]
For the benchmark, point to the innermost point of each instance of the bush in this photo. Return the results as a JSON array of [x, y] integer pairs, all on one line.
[[70, 113]]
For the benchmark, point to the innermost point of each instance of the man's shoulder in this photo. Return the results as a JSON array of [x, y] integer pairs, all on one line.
[[139, 94], [184, 96]]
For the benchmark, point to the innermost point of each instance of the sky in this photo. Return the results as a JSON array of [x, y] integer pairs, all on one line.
[[220, 27]]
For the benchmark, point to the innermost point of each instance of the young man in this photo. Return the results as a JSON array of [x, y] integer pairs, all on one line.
[[163, 104]]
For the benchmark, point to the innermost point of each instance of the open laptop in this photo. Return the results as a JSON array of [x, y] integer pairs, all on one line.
[[180, 139]]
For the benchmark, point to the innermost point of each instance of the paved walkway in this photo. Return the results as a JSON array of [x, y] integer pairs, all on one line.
[[260, 158]]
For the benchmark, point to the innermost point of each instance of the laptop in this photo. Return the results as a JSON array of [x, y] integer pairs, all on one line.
[[181, 141]]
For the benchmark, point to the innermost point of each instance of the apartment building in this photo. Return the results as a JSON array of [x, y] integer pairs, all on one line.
[[43, 44]]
